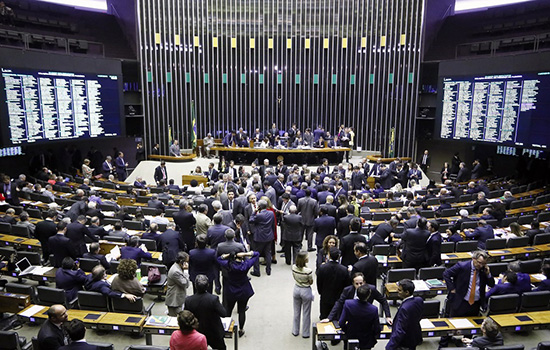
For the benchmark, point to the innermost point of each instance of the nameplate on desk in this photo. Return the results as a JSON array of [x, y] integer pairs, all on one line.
[[524, 318], [440, 324], [133, 319], [92, 317]]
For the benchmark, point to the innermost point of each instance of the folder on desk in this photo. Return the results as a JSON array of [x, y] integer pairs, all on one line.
[[381, 259], [435, 283], [426, 324]]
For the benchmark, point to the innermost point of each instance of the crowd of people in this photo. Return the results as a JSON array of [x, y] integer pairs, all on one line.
[[219, 234]]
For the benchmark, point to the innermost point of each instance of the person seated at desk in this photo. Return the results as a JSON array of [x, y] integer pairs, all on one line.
[[140, 183], [524, 280], [172, 186], [24, 221], [132, 251], [264, 144], [98, 283], [125, 281], [122, 214], [93, 211], [508, 285], [454, 236], [119, 231], [491, 336], [486, 214], [544, 285], [70, 278], [482, 233], [187, 337], [359, 319], [194, 187], [85, 185], [77, 331], [96, 229], [152, 233], [208, 143], [535, 230], [298, 142], [9, 217], [94, 254], [175, 149], [229, 140], [154, 202], [51, 335]]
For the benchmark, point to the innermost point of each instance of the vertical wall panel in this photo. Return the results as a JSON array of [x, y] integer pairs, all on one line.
[[281, 61]]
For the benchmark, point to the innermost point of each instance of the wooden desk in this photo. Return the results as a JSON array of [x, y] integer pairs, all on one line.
[[541, 317], [391, 291], [186, 179], [309, 156], [123, 322], [515, 322], [90, 318], [509, 253], [374, 158], [185, 157], [10, 302]]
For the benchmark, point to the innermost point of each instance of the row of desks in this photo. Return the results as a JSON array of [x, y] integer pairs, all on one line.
[[448, 326], [113, 321]]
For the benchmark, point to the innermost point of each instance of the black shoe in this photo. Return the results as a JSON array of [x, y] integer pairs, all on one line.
[[280, 251], [247, 307], [274, 262], [257, 274], [282, 255], [268, 273], [241, 333], [311, 249]]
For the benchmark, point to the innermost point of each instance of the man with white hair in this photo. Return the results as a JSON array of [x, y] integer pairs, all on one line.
[[48, 192], [208, 143], [226, 215], [508, 199], [175, 149], [464, 217]]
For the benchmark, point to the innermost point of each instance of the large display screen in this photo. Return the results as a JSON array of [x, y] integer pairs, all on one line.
[[506, 109], [47, 106]]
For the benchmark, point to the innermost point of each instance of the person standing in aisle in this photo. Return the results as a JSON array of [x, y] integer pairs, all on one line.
[[303, 295]]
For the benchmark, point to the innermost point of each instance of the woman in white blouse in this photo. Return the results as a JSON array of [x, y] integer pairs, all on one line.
[[303, 296]]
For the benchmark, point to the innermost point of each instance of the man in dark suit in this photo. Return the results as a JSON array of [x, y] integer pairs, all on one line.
[[413, 218], [263, 223], [323, 226], [358, 180], [121, 167], [480, 202], [348, 242], [425, 162], [463, 218], [339, 190], [76, 232], [161, 173], [133, 251], [463, 173], [359, 319], [482, 233], [94, 254], [414, 242], [332, 278], [383, 232], [343, 223], [477, 171], [170, 242], [61, 246], [349, 292], [386, 177], [44, 230], [366, 264], [185, 221], [52, 335], [202, 261], [77, 331], [208, 310], [96, 229], [292, 234], [433, 247], [308, 208], [70, 278], [535, 230], [323, 194], [9, 190], [230, 245], [406, 331], [212, 173], [331, 208], [155, 203]]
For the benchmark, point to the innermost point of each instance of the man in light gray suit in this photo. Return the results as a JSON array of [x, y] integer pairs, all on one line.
[[203, 222], [175, 149], [270, 193], [176, 284], [308, 208], [226, 215], [293, 233], [229, 246]]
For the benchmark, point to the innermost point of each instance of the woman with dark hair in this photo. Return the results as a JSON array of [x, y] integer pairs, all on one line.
[[237, 288], [125, 281], [303, 296], [330, 241], [187, 337]]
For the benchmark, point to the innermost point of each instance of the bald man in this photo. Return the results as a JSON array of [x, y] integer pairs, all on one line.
[[52, 336]]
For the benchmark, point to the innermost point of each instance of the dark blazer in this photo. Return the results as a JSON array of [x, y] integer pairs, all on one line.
[[406, 331], [98, 231], [202, 262], [346, 246], [103, 287], [482, 234], [292, 229], [343, 225], [99, 257], [381, 234], [13, 192], [411, 223], [386, 179], [414, 253], [79, 346], [349, 293], [216, 235], [208, 310], [458, 278], [332, 278], [71, 281], [170, 243], [433, 248], [501, 289], [309, 209], [368, 266], [186, 223], [77, 232], [51, 337], [105, 169], [155, 203], [60, 247], [43, 231], [357, 180], [158, 174], [135, 253], [212, 174], [360, 321], [331, 209], [323, 226], [463, 175]]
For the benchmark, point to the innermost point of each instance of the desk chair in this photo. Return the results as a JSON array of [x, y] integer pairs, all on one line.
[[19, 288], [35, 258], [34, 213], [447, 247], [448, 212], [156, 190], [10, 340], [396, 275], [365, 215], [428, 214], [530, 266], [465, 198], [542, 217], [467, 225], [503, 304], [496, 193], [170, 212], [110, 221], [93, 301], [506, 347], [18, 209], [21, 231], [492, 222], [150, 211], [142, 199], [431, 309], [395, 204], [88, 264], [535, 301], [49, 296], [150, 244], [381, 249], [124, 306], [158, 287], [5, 228], [109, 185], [542, 238], [516, 242], [516, 204], [525, 219], [507, 221], [132, 225], [495, 243], [543, 345], [372, 205], [426, 273], [497, 268], [433, 201], [381, 216], [114, 239], [114, 266], [465, 246], [6, 252], [461, 348]]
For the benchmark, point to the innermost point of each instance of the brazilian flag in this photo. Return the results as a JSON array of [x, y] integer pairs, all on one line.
[[193, 126]]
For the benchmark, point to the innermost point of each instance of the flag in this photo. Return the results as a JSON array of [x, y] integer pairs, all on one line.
[[392, 144], [193, 126], [169, 135]]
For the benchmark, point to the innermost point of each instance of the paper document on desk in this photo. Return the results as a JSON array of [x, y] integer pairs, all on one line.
[[420, 286], [33, 310], [461, 323], [381, 258], [425, 323], [41, 270], [539, 276], [226, 321], [445, 257], [110, 214]]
